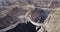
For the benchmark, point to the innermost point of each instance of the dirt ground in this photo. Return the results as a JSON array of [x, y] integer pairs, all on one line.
[[53, 23]]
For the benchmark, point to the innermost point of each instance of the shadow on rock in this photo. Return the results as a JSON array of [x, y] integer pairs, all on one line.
[[23, 28]]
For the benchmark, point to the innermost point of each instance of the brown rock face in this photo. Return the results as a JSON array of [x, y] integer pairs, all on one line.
[[36, 15], [11, 18], [17, 11]]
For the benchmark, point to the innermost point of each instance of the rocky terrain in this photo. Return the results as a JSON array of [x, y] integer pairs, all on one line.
[[52, 8]]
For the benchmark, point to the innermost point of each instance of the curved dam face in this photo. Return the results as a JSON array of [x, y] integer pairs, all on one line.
[[38, 15]]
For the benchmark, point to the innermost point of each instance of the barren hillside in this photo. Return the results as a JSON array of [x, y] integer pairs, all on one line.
[[51, 7]]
